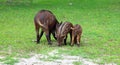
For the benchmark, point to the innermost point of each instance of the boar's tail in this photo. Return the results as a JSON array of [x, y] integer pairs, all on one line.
[[41, 25]]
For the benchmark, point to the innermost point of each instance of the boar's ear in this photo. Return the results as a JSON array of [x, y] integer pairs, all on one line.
[[57, 25], [72, 28]]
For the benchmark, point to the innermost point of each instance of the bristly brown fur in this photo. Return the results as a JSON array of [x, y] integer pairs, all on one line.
[[47, 21], [62, 32], [76, 34]]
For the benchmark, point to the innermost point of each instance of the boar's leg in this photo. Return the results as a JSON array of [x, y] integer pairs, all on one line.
[[53, 33], [38, 40], [41, 34], [65, 40], [37, 33], [48, 37]]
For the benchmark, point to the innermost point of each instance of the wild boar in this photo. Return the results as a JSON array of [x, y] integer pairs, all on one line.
[[62, 31], [47, 21], [76, 34]]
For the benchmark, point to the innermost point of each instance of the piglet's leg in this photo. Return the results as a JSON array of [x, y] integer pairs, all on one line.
[[65, 40], [78, 40], [72, 42], [71, 37]]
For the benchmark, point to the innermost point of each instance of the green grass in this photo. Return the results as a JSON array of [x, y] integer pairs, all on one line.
[[100, 20], [77, 63], [10, 60]]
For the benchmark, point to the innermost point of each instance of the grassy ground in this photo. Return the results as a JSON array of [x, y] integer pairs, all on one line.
[[100, 20]]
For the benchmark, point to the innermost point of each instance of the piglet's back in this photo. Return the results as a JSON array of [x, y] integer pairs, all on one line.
[[65, 27], [78, 29]]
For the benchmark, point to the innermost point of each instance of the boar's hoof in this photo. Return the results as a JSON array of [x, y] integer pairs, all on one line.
[[49, 43], [38, 42]]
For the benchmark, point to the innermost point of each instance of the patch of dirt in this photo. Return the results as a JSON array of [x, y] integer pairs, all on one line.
[[66, 60]]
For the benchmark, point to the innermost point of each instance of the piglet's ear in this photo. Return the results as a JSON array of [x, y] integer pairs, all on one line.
[[72, 28], [57, 26]]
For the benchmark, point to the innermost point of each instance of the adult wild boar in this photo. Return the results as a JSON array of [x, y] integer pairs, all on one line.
[[47, 21], [62, 31], [76, 34]]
